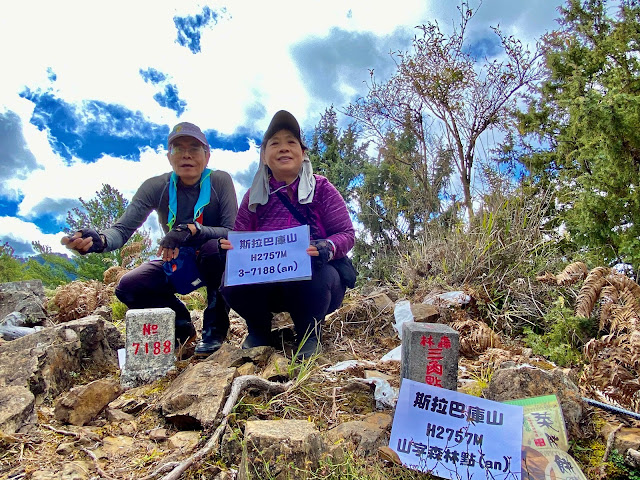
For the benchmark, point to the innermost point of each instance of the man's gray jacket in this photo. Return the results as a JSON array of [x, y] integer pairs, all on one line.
[[218, 216]]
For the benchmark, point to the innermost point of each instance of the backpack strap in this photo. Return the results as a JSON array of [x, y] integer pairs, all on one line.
[[294, 211]]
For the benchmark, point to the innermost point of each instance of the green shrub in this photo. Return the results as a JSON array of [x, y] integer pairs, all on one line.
[[562, 335], [196, 300], [118, 310], [620, 469]]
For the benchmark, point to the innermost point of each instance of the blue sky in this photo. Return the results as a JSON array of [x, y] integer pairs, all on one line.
[[89, 91]]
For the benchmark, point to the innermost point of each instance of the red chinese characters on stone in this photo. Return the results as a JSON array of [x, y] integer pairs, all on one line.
[[434, 357]]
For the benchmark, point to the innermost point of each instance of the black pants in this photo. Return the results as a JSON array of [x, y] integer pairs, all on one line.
[[147, 286], [307, 301]]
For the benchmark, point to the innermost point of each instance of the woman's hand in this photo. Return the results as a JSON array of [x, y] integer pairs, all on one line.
[[225, 244], [322, 250]]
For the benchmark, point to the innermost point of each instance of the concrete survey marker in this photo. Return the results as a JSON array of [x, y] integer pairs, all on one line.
[[150, 349], [430, 354]]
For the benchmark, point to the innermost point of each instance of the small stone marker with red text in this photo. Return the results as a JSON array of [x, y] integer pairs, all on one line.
[[430, 354], [150, 345]]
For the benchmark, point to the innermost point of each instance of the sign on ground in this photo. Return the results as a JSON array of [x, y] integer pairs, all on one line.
[[456, 436]]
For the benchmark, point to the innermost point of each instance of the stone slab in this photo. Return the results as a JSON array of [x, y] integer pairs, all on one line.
[[430, 354], [26, 297], [150, 345]]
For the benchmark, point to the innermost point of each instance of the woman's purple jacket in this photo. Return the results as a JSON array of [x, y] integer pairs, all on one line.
[[328, 212]]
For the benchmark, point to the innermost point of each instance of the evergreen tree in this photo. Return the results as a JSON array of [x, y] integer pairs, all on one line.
[[338, 155], [584, 121], [51, 268], [10, 266], [100, 213]]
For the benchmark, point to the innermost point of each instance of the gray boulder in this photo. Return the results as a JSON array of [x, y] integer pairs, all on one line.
[[26, 297], [81, 404], [526, 381], [44, 364], [196, 397], [279, 448]]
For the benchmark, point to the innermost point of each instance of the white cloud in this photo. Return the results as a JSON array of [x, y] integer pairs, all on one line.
[[96, 51], [22, 232]]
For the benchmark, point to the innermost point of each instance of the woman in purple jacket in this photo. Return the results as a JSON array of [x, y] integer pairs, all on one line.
[[285, 193]]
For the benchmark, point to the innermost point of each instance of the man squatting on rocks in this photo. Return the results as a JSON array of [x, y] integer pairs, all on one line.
[[196, 208], [285, 181]]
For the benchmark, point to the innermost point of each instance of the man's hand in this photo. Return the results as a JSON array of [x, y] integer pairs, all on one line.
[[321, 251], [172, 241], [84, 241]]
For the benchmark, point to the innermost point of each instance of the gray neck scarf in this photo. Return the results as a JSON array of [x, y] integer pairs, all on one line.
[[259, 193]]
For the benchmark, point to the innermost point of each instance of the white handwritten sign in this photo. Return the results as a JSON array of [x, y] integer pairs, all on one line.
[[274, 256], [453, 435]]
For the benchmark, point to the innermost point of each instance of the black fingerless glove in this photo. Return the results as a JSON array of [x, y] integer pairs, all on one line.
[[98, 245], [176, 237], [325, 249]]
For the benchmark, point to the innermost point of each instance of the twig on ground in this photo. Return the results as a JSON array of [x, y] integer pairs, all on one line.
[[161, 469], [239, 384], [94, 459], [61, 432], [334, 408]]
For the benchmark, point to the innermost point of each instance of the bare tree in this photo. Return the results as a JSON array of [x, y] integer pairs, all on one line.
[[446, 98]]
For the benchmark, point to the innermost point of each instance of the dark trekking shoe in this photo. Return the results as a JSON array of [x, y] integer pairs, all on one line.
[[309, 348], [206, 347], [254, 339]]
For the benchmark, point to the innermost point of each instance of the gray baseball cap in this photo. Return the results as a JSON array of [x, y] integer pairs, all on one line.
[[186, 129]]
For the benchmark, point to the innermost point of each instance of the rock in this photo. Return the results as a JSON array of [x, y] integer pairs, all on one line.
[[230, 356], [525, 381], [231, 446], [632, 458], [43, 364], [26, 297], [16, 408], [382, 303], [104, 311], [624, 438], [114, 415], [425, 313], [77, 470], [65, 448], [276, 369], [114, 446], [129, 428], [9, 332], [158, 434], [276, 448], [115, 339], [195, 398], [81, 404], [184, 441], [14, 319], [89, 436], [247, 369], [131, 401], [363, 436]]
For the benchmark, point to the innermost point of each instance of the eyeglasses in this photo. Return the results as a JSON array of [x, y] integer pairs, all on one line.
[[179, 150]]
